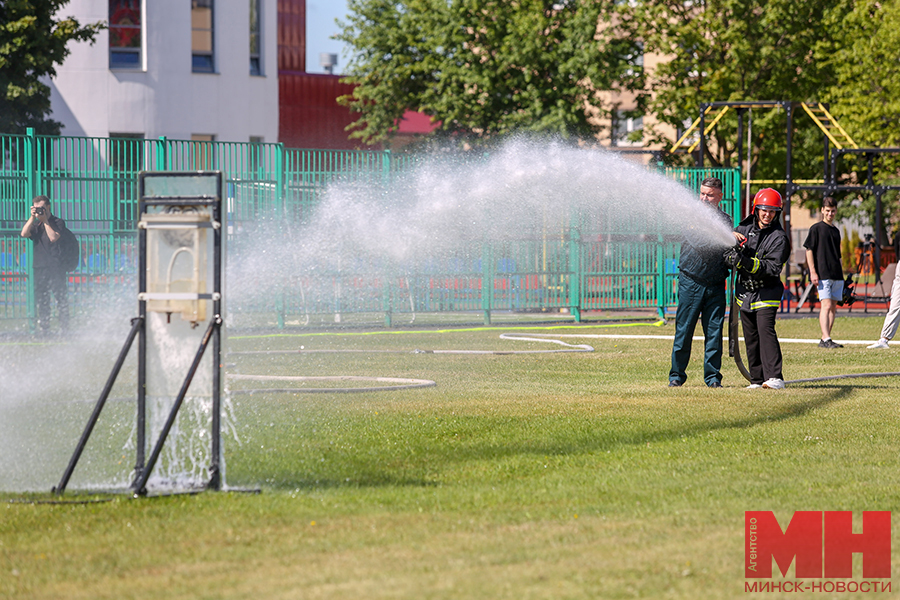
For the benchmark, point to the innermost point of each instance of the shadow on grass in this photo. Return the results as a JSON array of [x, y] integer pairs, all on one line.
[[364, 480], [609, 440], [477, 439]]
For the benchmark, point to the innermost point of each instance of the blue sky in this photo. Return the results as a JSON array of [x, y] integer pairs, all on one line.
[[320, 25]]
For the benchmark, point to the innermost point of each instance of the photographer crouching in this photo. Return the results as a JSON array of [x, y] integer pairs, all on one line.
[[759, 261]]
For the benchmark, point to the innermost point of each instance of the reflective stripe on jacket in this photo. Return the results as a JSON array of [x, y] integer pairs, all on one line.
[[770, 249]]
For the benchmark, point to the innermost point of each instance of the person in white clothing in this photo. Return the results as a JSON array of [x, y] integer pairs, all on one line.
[[892, 318]]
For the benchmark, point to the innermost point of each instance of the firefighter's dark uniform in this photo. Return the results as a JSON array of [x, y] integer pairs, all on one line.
[[759, 291]]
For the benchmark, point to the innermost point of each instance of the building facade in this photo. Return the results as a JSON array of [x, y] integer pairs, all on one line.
[[184, 69]]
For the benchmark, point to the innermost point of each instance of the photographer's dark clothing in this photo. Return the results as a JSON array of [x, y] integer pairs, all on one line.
[[825, 242], [50, 280], [49, 275], [758, 294], [46, 253], [761, 286], [701, 296]]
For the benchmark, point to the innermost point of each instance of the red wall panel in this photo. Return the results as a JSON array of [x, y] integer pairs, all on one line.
[[309, 115], [291, 35]]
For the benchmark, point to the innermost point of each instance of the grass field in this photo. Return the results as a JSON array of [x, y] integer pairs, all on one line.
[[568, 475]]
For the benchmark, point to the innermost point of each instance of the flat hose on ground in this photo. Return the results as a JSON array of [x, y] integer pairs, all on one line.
[[396, 383], [734, 323]]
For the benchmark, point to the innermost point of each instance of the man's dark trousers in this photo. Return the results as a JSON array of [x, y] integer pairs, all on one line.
[[706, 303], [49, 280]]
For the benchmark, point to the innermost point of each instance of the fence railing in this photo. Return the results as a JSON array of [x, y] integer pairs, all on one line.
[[92, 183]]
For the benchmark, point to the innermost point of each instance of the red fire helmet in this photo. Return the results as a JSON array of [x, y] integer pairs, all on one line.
[[769, 198]]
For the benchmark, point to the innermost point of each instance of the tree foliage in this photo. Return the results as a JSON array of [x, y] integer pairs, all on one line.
[[843, 52], [484, 68], [33, 41], [866, 96], [866, 64], [487, 67], [740, 50]]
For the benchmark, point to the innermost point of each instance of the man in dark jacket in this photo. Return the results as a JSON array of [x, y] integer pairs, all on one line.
[[45, 231], [759, 288], [701, 295]]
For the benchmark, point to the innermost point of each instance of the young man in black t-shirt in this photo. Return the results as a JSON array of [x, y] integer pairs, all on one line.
[[823, 256]]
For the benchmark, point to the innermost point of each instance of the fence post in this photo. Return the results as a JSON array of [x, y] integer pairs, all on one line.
[[31, 172], [162, 154], [280, 169], [661, 277], [282, 209], [386, 167], [487, 281], [386, 304], [576, 273], [111, 180]]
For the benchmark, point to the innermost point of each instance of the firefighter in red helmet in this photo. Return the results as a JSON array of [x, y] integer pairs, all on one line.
[[758, 287]]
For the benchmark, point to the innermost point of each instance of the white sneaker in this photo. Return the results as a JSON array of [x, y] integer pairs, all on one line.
[[753, 386], [774, 384], [879, 345]]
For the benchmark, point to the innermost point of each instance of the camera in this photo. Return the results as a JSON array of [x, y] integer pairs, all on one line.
[[869, 237], [38, 210]]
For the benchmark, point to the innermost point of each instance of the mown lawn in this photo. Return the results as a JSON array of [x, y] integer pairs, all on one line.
[[567, 475]]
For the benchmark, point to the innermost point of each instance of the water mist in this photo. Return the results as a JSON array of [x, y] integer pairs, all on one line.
[[449, 202]]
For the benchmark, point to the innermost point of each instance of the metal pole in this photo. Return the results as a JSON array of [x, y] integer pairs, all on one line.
[[879, 238], [487, 282], [740, 137], [789, 187], [215, 479], [702, 148], [749, 158], [832, 171], [870, 170], [575, 268], [101, 402], [740, 151], [140, 485], [31, 172], [141, 419]]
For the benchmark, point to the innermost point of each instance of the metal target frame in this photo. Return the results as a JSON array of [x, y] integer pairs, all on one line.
[[181, 190]]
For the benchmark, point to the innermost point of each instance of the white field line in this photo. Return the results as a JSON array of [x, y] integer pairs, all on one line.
[[612, 336]]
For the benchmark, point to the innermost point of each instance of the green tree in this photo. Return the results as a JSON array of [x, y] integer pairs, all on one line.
[[866, 63], [33, 41], [866, 98], [740, 50], [485, 68]]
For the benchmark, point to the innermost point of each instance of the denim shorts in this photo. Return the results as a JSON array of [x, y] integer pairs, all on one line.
[[831, 289]]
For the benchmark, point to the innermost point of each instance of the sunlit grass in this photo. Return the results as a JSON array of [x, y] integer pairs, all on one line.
[[567, 475]]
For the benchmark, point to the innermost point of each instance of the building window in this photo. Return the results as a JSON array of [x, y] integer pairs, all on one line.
[[255, 39], [202, 36], [124, 34], [627, 130]]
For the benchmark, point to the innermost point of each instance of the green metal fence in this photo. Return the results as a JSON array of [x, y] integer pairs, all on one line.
[[92, 183]]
